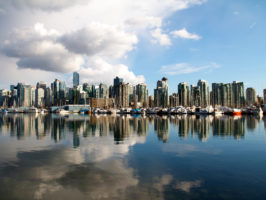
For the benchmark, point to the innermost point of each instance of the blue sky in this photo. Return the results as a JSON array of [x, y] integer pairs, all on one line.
[[214, 40], [233, 36]]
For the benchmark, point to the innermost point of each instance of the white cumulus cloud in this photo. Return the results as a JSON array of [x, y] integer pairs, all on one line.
[[183, 33], [36, 48], [160, 37], [99, 39], [98, 70]]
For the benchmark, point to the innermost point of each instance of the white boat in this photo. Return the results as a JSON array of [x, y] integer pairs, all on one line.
[[62, 111]]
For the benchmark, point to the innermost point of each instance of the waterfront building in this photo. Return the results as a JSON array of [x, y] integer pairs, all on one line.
[[238, 95], [95, 91], [183, 94], [102, 102], [48, 97], [111, 91], [122, 95], [117, 81], [75, 79], [33, 95], [222, 94], [151, 101], [204, 93], [40, 98], [58, 92], [131, 94], [4, 97], [87, 88], [103, 91], [25, 96], [141, 92], [195, 96], [174, 100], [161, 93], [251, 96]]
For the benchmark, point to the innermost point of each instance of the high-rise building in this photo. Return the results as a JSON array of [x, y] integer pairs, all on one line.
[[4, 97], [221, 94], [151, 101], [174, 100], [183, 94], [26, 96], [131, 94], [142, 93], [58, 92], [122, 95], [251, 96], [161, 93], [104, 93], [204, 93], [238, 95], [117, 81], [40, 98], [195, 95], [96, 91], [75, 79], [87, 88]]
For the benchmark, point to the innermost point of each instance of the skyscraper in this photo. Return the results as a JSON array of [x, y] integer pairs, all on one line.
[[161, 93], [40, 100], [117, 81], [204, 93], [122, 95], [195, 95], [142, 93], [238, 95], [75, 79], [183, 94], [104, 93], [251, 97]]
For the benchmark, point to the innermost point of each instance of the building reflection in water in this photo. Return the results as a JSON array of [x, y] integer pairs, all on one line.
[[123, 127], [162, 127]]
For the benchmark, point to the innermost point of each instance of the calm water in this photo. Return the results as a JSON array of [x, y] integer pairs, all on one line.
[[112, 157]]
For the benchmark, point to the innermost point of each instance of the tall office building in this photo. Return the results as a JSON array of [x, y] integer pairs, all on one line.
[[122, 95], [96, 91], [204, 93], [141, 93], [131, 93], [194, 95], [251, 96], [26, 96], [75, 79], [58, 92], [221, 94], [40, 98], [87, 88], [117, 81], [238, 95], [183, 94], [161, 93], [104, 92], [174, 100]]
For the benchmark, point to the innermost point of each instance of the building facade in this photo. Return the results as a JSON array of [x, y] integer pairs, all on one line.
[[161, 93]]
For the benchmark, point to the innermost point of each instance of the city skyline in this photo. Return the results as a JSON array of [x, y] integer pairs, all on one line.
[[189, 40], [124, 95]]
